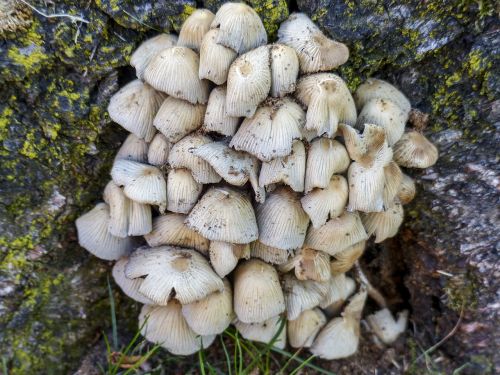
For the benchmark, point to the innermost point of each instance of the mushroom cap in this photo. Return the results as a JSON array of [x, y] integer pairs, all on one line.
[[366, 188], [241, 28], [340, 288], [148, 49], [216, 118], [224, 256], [257, 292], [344, 260], [140, 219], [173, 272], [374, 88], [407, 190], [309, 264], [118, 204], [303, 330], [158, 150], [301, 295], [385, 326], [215, 59], [384, 224], [284, 70], [128, 286], [393, 178], [316, 51], [194, 28], [134, 107], [133, 148], [413, 150], [263, 331], [175, 72], [183, 190], [268, 254], [224, 214]]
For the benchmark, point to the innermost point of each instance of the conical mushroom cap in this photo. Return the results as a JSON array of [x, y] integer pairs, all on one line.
[[118, 205], [133, 148], [303, 330], [158, 150], [181, 156], [413, 150], [170, 230], [263, 331], [301, 295], [173, 272], [240, 27], [344, 260], [165, 325], [323, 204], [281, 220], [366, 188], [248, 82], [340, 288], [129, 286], [216, 118], [134, 107], [175, 72], [224, 214], [337, 234], [215, 59], [148, 49], [176, 118], [385, 326], [224, 256], [284, 70], [316, 52], [289, 170], [309, 264], [268, 254], [140, 219], [384, 224], [374, 88], [93, 235], [270, 133], [183, 190], [393, 178], [257, 292], [194, 28], [212, 314], [407, 190], [325, 158]]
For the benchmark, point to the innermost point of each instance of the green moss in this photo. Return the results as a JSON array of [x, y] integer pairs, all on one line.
[[461, 292], [179, 19]]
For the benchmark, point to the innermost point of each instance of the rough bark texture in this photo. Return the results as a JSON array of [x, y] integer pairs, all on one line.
[[57, 144]]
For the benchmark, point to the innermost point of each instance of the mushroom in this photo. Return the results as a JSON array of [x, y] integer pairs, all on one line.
[[128, 286], [158, 150], [383, 324], [194, 28], [148, 49], [344, 260], [264, 331], [393, 179], [183, 190], [216, 118], [340, 289], [224, 256], [301, 295], [268, 254], [133, 148], [303, 330], [284, 70], [384, 224], [413, 150], [407, 190], [309, 264], [215, 59], [374, 88]]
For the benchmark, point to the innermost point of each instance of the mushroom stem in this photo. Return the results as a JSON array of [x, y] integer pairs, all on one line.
[[372, 291]]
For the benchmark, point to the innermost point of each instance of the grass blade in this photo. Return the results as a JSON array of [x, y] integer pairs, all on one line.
[[113, 316], [228, 360], [303, 364], [299, 359]]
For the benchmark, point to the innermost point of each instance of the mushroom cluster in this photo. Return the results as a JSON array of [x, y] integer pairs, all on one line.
[[255, 179]]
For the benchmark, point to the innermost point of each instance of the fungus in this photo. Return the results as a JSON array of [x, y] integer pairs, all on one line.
[[303, 330], [374, 88], [133, 148], [407, 190], [309, 264], [158, 150], [216, 118], [413, 150], [301, 295], [383, 324], [224, 256], [194, 29], [284, 70], [384, 224], [344, 260], [148, 49], [268, 254], [339, 290], [129, 286], [215, 59], [183, 191], [263, 331]]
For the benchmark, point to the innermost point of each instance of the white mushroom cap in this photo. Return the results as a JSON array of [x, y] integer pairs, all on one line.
[[134, 106], [248, 82], [224, 256], [93, 235], [129, 286], [301, 295], [148, 49], [384, 224], [165, 325], [183, 190], [407, 190], [194, 28], [337, 234], [268, 254], [173, 272], [344, 260], [374, 88], [282, 221], [303, 330], [270, 133], [118, 205], [385, 326], [133, 148], [284, 70], [264, 331], [413, 150], [212, 314], [215, 59], [366, 188], [176, 118], [309, 264], [216, 118], [175, 72], [257, 292], [158, 150], [393, 178], [170, 230], [224, 214], [340, 288], [240, 27], [140, 219]]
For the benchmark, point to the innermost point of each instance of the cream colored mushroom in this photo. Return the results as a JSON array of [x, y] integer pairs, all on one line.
[[215, 59], [224, 256], [183, 190], [194, 28], [129, 286], [301, 295], [309, 264], [264, 331], [148, 49], [303, 330], [413, 150]]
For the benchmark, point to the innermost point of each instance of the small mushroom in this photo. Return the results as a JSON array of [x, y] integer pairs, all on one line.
[[284, 70], [158, 150], [216, 118], [340, 288], [133, 148], [263, 331], [224, 256], [413, 150], [128, 286], [384, 224], [374, 88], [309, 264], [303, 330], [215, 59], [183, 190], [194, 28], [148, 49], [301, 295], [344, 260], [393, 178], [139, 219], [407, 190], [385, 326], [268, 254]]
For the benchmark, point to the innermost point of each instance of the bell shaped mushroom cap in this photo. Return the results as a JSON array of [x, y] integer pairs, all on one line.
[[248, 82], [325, 158], [413, 150], [224, 256], [284, 70], [344, 260], [268, 254], [134, 107], [165, 325], [385, 326], [393, 178], [175, 72], [173, 272], [281, 220], [93, 235], [264, 331], [407, 190], [240, 27], [270, 133], [309, 264], [194, 28], [303, 330], [337, 234], [181, 156], [301, 295], [177, 118], [170, 230], [148, 49], [142, 183], [329, 103], [224, 214], [133, 148], [375, 88], [366, 188], [215, 59], [340, 289], [118, 205], [386, 114], [158, 150], [129, 286], [323, 204], [140, 221], [216, 118], [257, 292], [289, 170], [384, 224], [183, 191], [212, 314]]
